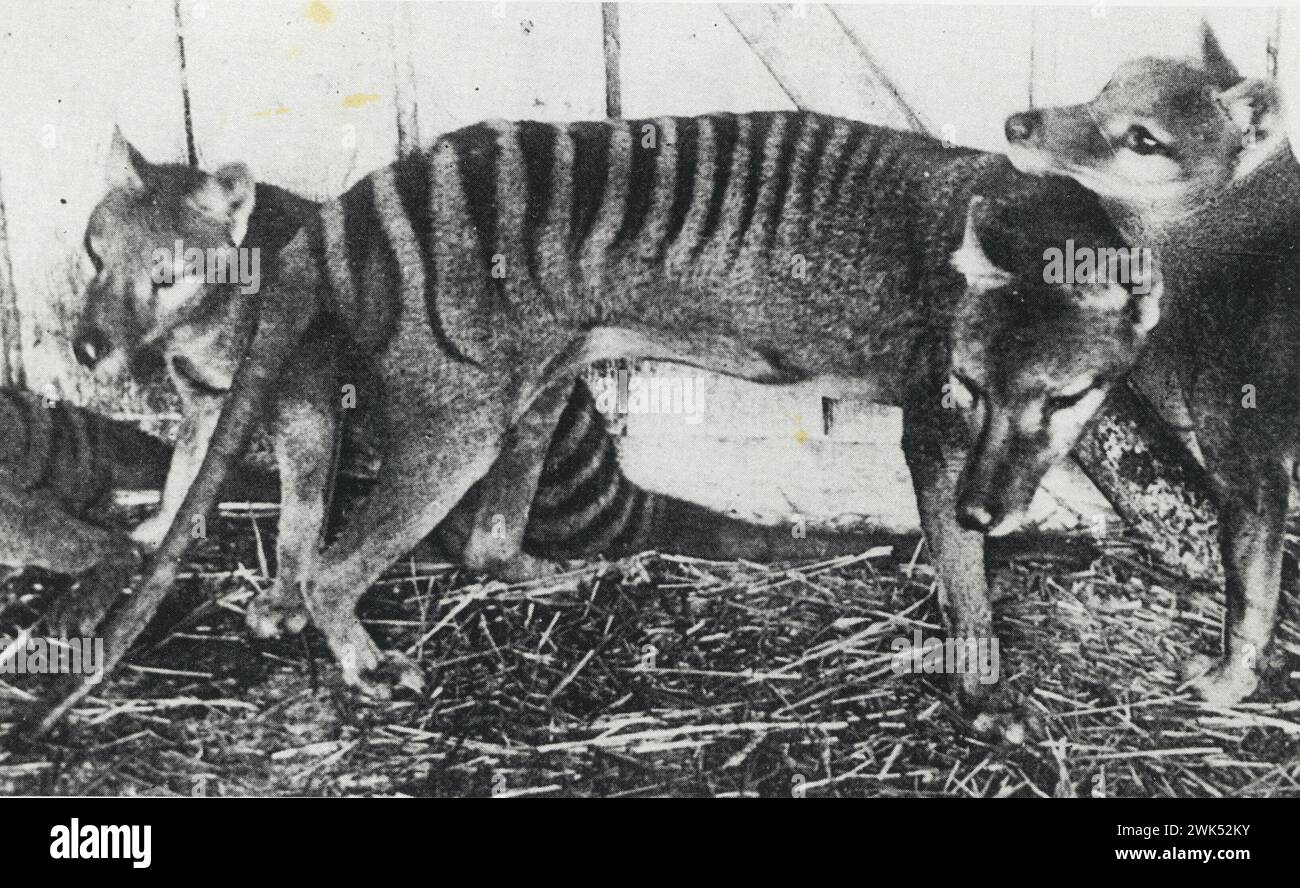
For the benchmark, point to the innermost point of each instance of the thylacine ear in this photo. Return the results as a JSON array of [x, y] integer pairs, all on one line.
[[1215, 61], [971, 260], [1148, 289], [1254, 108], [126, 167], [227, 196], [1139, 297]]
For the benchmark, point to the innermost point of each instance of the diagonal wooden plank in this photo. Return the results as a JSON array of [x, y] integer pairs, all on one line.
[[845, 80]]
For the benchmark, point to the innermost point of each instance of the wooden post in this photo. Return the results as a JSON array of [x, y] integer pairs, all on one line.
[[613, 81], [11, 349], [1141, 467]]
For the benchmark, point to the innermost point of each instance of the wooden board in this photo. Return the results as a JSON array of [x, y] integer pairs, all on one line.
[[70, 71]]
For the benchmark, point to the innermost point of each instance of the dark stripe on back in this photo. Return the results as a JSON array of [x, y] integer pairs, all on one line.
[[608, 475], [477, 157], [630, 535], [724, 146], [537, 145], [277, 215], [688, 145], [584, 460], [361, 229], [590, 172], [759, 127], [836, 179], [578, 424], [794, 125], [821, 138], [640, 179], [413, 181]]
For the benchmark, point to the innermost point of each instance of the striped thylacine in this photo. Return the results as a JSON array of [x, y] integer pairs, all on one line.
[[476, 279], [585, 504]]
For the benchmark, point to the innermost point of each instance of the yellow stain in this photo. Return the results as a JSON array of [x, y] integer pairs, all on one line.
[[320, 13], [295, 52], [274, 112], [801, 436], [360, 100]]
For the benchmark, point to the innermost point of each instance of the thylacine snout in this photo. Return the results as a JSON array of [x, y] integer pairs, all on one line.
[[1163, 134]]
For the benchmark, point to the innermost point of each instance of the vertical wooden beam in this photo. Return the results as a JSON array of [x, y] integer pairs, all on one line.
[[191, 152], [613, 81], [404, 82], [11, 341]]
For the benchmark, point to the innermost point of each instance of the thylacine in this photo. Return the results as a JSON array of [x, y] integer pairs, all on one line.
[[585, 506], [762, 245], [58, 465], [1189, 160]]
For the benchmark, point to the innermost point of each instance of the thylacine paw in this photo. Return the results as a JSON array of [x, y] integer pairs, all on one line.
[[1220, 681], [996, 713], [78, 612], [516, 568], [377, 674], [274, 613]]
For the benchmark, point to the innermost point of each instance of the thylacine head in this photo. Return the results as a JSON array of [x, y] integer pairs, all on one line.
[[1035, 347], [1162, 137], [170, 244]]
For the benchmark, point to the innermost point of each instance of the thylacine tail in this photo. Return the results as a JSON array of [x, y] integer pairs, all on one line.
[[586, 506], [286, 309]]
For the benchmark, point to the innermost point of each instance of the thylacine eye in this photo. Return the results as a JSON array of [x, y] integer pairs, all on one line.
[[1139, 140], [1064, 402]]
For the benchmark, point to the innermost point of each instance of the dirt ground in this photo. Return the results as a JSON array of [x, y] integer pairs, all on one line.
[[667, 676]]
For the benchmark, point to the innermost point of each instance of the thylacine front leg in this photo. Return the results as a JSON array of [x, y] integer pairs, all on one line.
[[505, 495], [1246, 450], [201, 409], [306, 429], [1252, 517], [958, 553]]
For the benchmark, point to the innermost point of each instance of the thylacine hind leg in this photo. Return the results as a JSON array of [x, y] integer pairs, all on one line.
[[506, 493], [37, 533], [432, 458]]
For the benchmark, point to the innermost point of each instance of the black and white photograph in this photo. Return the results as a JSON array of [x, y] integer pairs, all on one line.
[[637, 399]]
